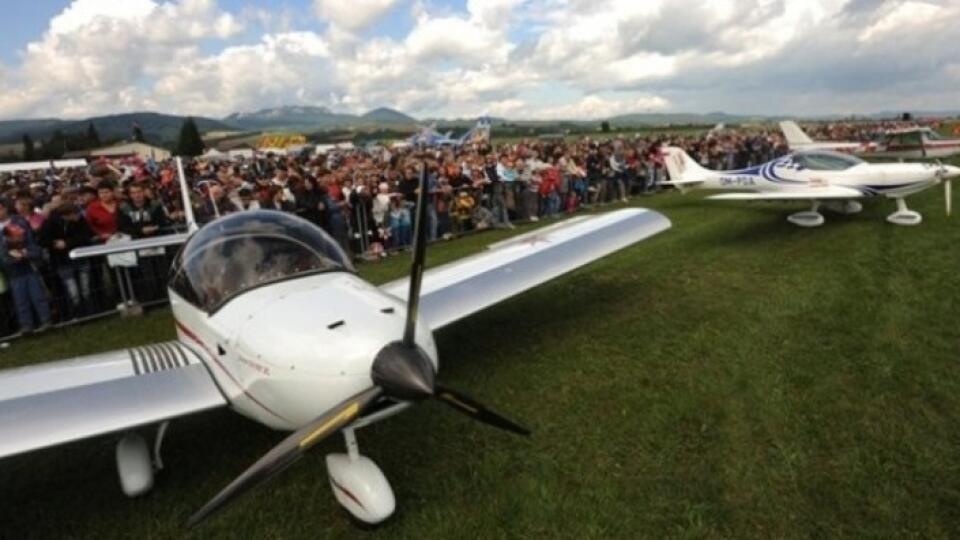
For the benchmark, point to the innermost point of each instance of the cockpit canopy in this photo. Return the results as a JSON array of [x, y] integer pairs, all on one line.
[[826, 161], [245, 250]]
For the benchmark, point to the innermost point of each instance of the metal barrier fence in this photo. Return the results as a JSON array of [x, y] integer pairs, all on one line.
[[107, 286]]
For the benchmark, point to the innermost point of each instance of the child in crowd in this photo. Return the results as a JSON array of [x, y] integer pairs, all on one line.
[[401, 226]]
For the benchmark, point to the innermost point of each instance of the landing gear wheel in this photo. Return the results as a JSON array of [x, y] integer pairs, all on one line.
[[852, 207], [904, 216], [134, 466], [809, 218], [360, 488], [361, 525], [843, 207]]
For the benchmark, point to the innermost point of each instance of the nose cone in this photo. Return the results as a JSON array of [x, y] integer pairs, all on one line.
[[951, 171], [404, 373]]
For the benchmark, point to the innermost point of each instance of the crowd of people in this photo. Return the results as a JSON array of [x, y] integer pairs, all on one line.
[[364, 198]]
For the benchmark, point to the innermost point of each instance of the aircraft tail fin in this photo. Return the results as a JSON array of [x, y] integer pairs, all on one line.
[[480, 130], [793, 133], [684, 171]]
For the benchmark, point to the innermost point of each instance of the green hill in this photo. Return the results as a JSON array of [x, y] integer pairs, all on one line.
[[158, 128]]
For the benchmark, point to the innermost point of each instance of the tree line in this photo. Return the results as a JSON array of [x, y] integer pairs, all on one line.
[[59, 143]]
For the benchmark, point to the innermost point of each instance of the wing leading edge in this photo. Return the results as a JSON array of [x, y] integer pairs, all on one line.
[[58, 402], [812, 194], [458, 289]]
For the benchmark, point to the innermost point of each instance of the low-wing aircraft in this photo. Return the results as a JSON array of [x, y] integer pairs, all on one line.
[[834, 180], [429, 137], [905, 143], [273, 322]]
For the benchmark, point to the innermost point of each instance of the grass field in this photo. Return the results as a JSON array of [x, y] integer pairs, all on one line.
[[733, 377]]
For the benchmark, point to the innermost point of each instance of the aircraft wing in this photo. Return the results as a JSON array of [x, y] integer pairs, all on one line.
[[453, 291], [125, 246], [58, 402], [812, 194]]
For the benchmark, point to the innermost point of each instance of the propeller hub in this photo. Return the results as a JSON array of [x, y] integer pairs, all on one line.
[[404, 372]]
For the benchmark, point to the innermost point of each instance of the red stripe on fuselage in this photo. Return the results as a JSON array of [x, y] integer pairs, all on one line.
[[190, 334], [929, 145]]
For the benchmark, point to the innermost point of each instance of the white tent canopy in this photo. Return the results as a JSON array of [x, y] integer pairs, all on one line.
[[42, 165], [215, 155]]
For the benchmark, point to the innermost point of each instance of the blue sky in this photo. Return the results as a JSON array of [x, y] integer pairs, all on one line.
[[463, 58]]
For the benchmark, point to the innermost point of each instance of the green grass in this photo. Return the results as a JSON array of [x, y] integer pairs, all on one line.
[[733, 377]]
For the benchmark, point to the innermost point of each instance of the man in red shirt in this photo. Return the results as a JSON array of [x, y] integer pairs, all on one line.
[[549, 185], [101, 214]]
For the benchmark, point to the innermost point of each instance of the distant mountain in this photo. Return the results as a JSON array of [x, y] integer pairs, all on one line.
[[290, 117], [309, 118], [162, 129], [384, 115]]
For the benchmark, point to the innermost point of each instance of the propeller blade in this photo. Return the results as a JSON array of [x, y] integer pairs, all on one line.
[[942, 173], [472, 408], [419, 256], [289, 451], [948, 194]]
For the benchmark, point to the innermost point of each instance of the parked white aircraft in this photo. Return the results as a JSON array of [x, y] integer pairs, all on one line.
[[273, 322], [835, 180], [916, 143], [799, 141], [907, 143]]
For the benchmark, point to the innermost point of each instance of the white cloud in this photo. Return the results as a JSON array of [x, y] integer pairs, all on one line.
[[353, 15], [905, 16], [515, 58], [594, 107], [83, 12]]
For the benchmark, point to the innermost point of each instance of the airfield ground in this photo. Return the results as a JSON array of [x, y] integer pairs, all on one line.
[[735, 376]]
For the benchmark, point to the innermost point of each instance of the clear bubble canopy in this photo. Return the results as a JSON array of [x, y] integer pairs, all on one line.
[[250, 249]]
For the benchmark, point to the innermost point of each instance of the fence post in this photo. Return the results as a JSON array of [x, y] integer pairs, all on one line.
[[131, 308]]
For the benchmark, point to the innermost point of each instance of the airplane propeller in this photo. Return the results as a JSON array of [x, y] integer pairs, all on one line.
[[402, 371]]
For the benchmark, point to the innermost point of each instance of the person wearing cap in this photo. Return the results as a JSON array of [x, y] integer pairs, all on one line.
[[63, 231], [19, 255]]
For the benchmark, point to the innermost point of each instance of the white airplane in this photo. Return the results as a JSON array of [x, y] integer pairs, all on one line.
[[799, 141], [835, 180], [906, 143], [273, 322], [431, 138], [916, 143]]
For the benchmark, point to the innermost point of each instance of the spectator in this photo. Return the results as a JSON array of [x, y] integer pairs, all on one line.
[[401, 224], [19, 257], [101, 214], [144, 218], [62, 232]]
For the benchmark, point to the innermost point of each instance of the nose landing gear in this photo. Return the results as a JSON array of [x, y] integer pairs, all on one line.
[[359, 485]]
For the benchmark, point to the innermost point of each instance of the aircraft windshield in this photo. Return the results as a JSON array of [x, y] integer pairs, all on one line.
[[248, 249], [826, 161]]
